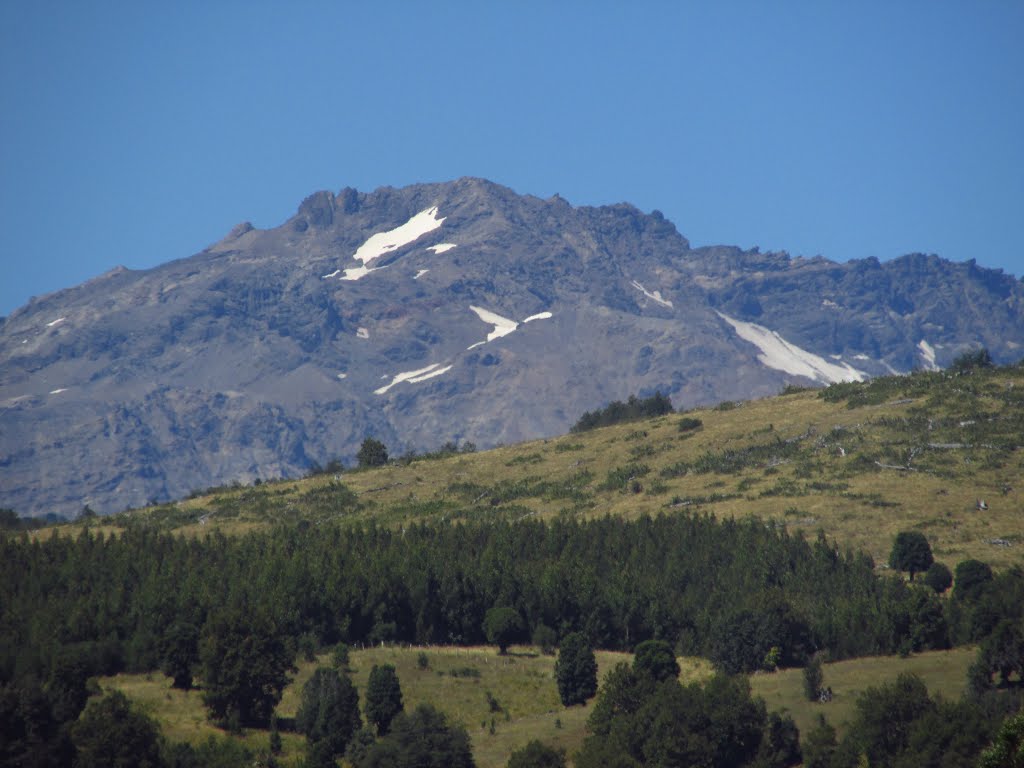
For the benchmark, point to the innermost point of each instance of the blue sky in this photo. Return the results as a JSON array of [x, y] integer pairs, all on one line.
[[138, 132]]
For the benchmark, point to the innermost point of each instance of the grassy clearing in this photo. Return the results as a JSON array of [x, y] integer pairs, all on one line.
[[944, 672], [797, 459], [523, 684], [182, 717]]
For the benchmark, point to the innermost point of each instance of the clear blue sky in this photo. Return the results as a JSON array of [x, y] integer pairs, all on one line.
[[138, 132]]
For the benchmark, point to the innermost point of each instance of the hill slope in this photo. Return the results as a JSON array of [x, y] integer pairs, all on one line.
[[458, 311], [859, 462]]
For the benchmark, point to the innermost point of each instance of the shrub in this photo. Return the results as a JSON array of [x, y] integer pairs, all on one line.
[[617, 412], [689, 423]]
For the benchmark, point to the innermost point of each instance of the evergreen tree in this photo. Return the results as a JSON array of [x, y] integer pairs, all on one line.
[[819, 744], [503, 625], [911, 552], [180, 653], [245, 664], [576, 670], [421, 739], [383, 697], [813, 679], [113, 734], [328, 714], [938, 577]]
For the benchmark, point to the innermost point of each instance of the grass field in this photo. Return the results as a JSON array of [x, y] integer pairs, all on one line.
[[523, 685], [943, 672]]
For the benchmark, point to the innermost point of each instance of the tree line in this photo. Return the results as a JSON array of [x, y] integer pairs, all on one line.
[[237, 611]]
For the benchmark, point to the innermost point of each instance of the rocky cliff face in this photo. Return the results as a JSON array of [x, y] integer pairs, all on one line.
[[458, 311]]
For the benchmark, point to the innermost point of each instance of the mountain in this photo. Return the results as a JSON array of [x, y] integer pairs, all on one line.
[[460, 312]]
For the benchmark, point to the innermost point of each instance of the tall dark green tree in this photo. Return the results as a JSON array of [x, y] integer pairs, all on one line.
[[813, 679], [575, 670], [328, 715], [245, 666], [31, 736], [911, 552], [179, 650], [971, 579], [111, 733], [421, 739], [383, 697], [1002, 652], [819, 744], [938, 577], [1007, 750], [885, 715], [503, 625]]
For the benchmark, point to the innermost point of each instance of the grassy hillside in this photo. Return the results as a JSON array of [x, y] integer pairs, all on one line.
[[457, 681], [858, 461]]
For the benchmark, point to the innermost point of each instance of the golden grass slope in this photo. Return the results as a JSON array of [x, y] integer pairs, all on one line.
[[859, 474]]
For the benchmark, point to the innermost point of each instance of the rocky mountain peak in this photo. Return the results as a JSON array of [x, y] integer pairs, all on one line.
[[436, 312]]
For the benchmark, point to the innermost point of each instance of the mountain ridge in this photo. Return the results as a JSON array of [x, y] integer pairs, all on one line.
[[269, 350]]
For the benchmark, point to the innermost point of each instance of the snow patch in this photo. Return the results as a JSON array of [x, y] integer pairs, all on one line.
[[779, 354], [420, 274], [58, 391], [829, 303], [502, 325], [385, 242], [362, 333], [414, 376], [56, 322], [538, 316], [441, 247], [332, 274], [342, 375], [927, 355], [861, 357], [432, 374], [358, 273], [656, 296]]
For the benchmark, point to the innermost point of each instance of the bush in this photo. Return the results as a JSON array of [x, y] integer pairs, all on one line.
[[688, 424], [969, 362], [536, 754], [372, 453]]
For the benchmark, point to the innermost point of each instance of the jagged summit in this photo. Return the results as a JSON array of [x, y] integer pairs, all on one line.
[[436, 312]]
